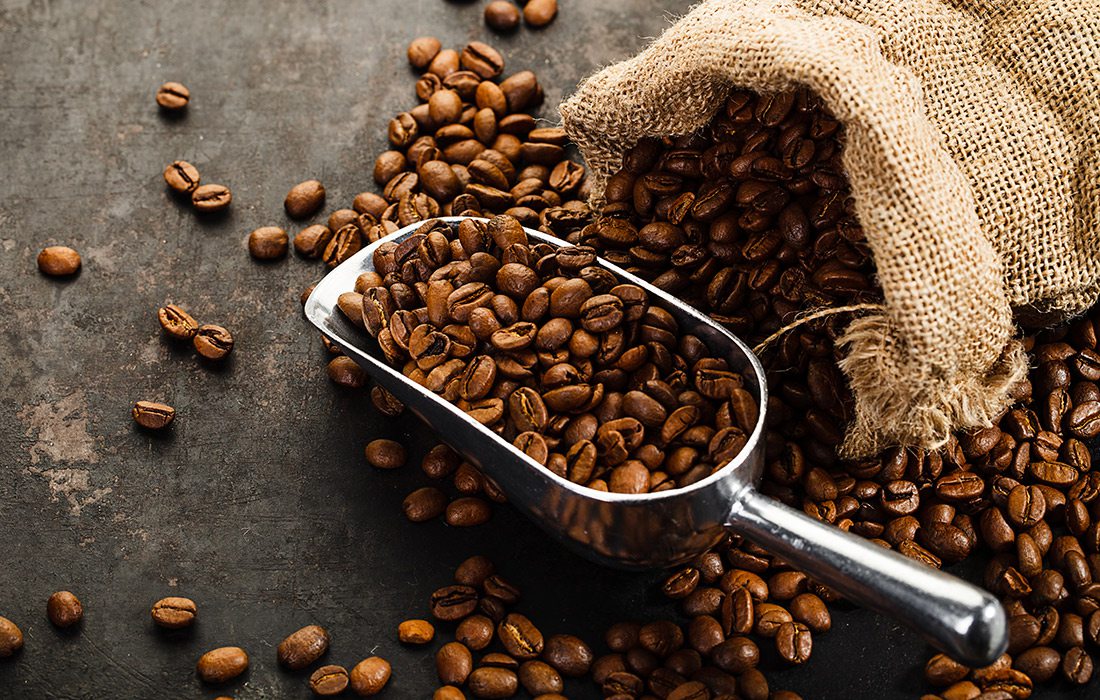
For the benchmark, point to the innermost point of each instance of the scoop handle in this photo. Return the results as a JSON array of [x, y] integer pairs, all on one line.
[[962, 620]]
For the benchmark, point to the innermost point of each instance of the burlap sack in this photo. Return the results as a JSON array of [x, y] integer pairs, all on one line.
[[973, 149]]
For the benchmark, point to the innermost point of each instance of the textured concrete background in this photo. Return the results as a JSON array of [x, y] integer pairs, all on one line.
[[258, 503]]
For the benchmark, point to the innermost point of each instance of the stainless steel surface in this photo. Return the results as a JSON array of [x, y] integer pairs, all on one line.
[[661, 529]]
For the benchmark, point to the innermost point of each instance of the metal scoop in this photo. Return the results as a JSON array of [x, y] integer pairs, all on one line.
[[669, 527]]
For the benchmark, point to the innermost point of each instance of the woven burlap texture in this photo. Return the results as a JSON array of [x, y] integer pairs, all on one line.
[[973, 143]]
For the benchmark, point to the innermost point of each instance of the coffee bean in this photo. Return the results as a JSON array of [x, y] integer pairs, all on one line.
[[181, 176], [474, 571], [415, 632], [152, 415], [424, 504], [538, 678], [268, 243], [58, 261], [941, 670], [502, 16], [174, 613], [482, 59], [177, 323], [370, 676], [329, 680], [476, 632], [448, 692], [64, 609], [11, 638], [520, 637], [344, 372], [211, 198], [1083, 420], [794, 642], [222, 665], [173, 96], [422, 50], [490, 682], [1077, 666], [304, 199], [467, 512], [212, 342], [453, 663], [539, 13], [385, 454], [452, 603], [301, 648]]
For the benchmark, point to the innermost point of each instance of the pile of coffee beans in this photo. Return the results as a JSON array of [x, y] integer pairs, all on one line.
[[576, 369]]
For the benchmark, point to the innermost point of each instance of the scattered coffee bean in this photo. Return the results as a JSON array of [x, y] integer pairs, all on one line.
[[467, 512], [304, 199], [173, 96], [502, 16], [11, 638], [211, 198], [422, 51], [312, 241], [344, 372], [303, 647], [212, 342], [152, 415], [453, 663], [493, 682], [64, 609], [181, 176], [385, 454], [174, 613], [222, 665], [329, 680], [177, 323], [415, 632], [268, 243], [58, 261], [424, 504], [370, 676], [539, 13]]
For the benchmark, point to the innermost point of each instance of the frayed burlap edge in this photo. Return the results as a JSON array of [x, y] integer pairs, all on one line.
[[893, 403]]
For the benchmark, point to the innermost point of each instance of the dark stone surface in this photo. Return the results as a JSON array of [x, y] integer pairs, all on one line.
[[258, 503]]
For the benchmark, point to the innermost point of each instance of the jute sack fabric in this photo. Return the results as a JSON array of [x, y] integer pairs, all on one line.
[[973, 151]]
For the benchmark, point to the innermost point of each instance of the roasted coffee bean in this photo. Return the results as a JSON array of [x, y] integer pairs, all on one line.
[[304, 199], [181, 176], [329, 680], [492, 682], [502, 16], [58, 261], [268, 243], [475, 631], [453, 663], [1039, 663], [385, 454], [64, 610], [174, 613], [177, 323], [422, 50], [539, 13], [312, 241], [173, 96], [568, 654], [303, 647], [1077, 666], [11, 638], [415, 632], [794, 642], [344, 372], [520, 637], [941, 670], [540, 679], [211, 198], [370, 676], [453, 602], [467, 512], [212, 342], [424, 504], [152, 415], [222, 665]]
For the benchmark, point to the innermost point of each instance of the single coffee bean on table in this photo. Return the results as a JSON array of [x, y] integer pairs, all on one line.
[[181, 176], [370, 676], [173, 96], [304, 199], [11, 638], [268, 243], [174, 612], [422, 51], [177, 323], [59, 261], [222, 665], [302, 647], [211, 198], [311, 241], [385, 454], [152, 415], [416, 632], [213, 342], [539, 13], [64, 609], [344, 372], [329, 680], [502, 16]]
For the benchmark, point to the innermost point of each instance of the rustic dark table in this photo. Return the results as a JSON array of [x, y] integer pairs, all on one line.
[[258, 503]]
